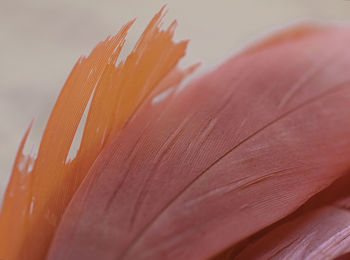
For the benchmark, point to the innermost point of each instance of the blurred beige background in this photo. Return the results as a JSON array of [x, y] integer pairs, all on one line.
[[41, 40]]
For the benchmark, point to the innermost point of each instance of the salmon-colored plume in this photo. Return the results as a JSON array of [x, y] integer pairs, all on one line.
[[235, 164], [40, 188], [320, 234], [233, 152]]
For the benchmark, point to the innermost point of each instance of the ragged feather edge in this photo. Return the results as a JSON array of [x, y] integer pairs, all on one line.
[[39, 192]]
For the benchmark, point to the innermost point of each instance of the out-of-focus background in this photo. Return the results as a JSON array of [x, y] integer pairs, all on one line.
[[41, 40]]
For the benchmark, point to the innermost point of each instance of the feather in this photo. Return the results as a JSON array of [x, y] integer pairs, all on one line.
[[235, 159], [233, 152], [320, 229], [321, 234], [37, 196]]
